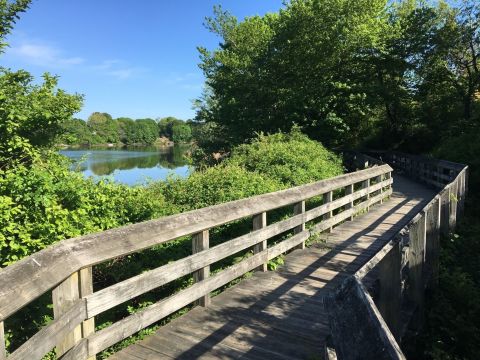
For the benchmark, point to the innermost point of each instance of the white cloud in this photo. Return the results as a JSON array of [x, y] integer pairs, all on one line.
[[44, 55], [118, 69]]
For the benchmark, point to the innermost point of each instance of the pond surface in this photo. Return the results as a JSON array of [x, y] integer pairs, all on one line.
[[130, 166]]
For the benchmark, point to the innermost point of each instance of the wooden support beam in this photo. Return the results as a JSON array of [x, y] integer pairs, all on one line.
[[328, 197], [299, 208], [3, 350], [445, 213], [349, 191], [259, 222], [366, 185], [64, 296], [417, 238], [200, 242], [390, 291], [432, 243], [379, 179], [453, 206], [86, 288]]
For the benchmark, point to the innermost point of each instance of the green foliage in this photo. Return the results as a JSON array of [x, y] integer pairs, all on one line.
[[214, 185], [181, 133], [379, 74], [30, 115], [293, 159], [103, 127], [9, 14], [278, 70], [45, 203]]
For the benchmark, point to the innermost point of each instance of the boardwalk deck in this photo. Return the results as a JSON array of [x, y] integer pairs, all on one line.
[[280, 315]]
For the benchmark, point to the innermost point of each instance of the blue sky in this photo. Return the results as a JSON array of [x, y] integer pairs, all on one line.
[[129, 58]]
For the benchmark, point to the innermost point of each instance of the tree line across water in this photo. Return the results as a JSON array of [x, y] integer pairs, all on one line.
[[101, 129]]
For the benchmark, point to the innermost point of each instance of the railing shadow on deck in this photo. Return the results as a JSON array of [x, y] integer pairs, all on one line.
[[230, 316]]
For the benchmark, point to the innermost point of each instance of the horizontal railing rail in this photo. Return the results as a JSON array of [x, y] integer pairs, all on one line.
[[413, 251], [66, 268]]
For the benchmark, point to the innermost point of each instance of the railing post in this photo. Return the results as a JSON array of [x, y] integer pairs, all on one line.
[[417, 238], [461, 194], [378, 180], [390, 291], [445, 212], [3, 350], [200, 242], [328, 197], [86, 288], [260, 221], [453, 206], [349, 191], [366, 185], [432, 242], [299, 208], [76, 286], [63, 296]]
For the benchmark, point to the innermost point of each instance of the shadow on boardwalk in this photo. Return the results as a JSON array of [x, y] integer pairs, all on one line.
[[280, 315]]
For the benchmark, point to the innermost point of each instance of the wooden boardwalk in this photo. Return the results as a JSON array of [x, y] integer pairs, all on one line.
[[279, 314]]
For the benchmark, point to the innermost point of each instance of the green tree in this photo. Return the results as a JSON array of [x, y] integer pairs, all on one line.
[[31, 116], [147, 130], [181, 133], [104, 127], [9, 14], [165, 126], [76, 131], [306, 65]]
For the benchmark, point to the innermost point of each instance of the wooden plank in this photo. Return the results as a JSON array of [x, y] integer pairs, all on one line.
[[416, 259], [201, 242], [78, 352], [390, 292], [128, 326], [65, 296], [88, 326], [46, 339], [36, 274], [327, 198], [445, 212], [259, 222], [299, 208], [366, 185], [135, 322], [453, 206], [3, 350], [358, 329], [349, 190]]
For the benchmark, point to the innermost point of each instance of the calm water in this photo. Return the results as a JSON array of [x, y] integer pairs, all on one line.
[[130, 166]]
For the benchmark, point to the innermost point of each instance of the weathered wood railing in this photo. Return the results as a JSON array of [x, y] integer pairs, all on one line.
[[366, 327], [66, 268]]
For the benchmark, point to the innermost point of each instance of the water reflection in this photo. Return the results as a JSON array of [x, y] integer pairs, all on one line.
[[130, 166]]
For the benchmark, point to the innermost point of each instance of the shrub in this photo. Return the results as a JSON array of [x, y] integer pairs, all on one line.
[[46, 203], [292, 159], [214, 185]]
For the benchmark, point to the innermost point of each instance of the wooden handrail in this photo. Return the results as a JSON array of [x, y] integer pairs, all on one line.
[[33, 276]]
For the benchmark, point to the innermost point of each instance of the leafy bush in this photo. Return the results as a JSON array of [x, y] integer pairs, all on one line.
[[46, 203], [214, 185], [292, 159]]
